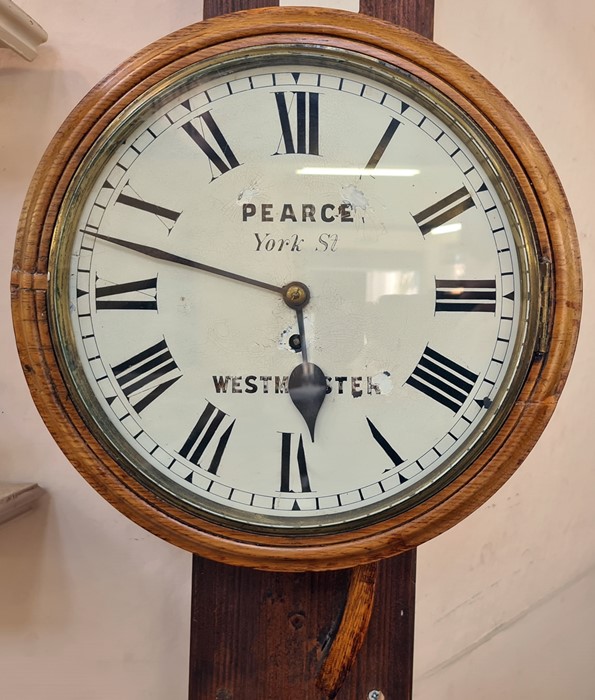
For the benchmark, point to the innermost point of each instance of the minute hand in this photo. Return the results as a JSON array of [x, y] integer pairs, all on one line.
[[179, 260]]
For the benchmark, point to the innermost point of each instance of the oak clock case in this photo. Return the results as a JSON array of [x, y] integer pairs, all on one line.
[[305, 293]]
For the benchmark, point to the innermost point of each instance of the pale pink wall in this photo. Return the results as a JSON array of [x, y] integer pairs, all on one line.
[[92, 607]]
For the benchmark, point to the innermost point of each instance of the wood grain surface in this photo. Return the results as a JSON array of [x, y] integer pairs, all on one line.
[[214, 8], [417, 15], [262, 636]]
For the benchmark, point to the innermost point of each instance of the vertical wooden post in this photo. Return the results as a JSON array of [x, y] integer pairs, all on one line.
[[417, 15], [214, 8], [261, 636]]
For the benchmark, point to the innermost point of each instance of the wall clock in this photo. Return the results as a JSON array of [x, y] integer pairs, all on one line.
[[296, 289]]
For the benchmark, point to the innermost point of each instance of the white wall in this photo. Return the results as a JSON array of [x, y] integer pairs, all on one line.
[[92, 607]]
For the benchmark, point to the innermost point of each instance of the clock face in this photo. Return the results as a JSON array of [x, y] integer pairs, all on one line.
[[355, 184]]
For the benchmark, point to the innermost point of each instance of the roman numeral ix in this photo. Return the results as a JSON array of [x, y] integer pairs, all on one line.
[[442, 380], [212, 428], [146, 375], [299, 122], [139, 295], [466, 295]]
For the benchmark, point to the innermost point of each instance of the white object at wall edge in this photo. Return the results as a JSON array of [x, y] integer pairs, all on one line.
[[18, 31]]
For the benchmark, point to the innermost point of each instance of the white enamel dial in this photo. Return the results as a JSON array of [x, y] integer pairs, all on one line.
[[354, 182]]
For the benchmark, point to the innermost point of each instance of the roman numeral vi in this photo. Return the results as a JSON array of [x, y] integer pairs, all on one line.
[[286, 465]]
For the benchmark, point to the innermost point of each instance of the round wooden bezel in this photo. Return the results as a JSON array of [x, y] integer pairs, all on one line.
[[520, 150]]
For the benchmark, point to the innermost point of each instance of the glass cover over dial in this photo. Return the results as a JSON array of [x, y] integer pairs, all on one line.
[[294, 289]]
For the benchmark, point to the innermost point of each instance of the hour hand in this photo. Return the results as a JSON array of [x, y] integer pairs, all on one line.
[[307, 383], [307, 389]]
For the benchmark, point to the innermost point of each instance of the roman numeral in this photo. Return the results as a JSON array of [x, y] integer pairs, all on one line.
[[141, 294], [286, 465], [210, 429], [466, 295], [391, 129], [167, 216], [442, 380], [219, 154], [301, 136], [391, 453], [444, 210], [146, 375]]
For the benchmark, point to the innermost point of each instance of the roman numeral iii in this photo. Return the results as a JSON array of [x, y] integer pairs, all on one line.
[[146, 375], [298, 116], [218, 151], [288, 478], [444, 210], [442, 380], [466, 295], [213, 428]]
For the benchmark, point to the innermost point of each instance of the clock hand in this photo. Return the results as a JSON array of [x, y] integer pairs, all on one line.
[[294, 294], [300, 321], [307, 382], [177, 259]]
